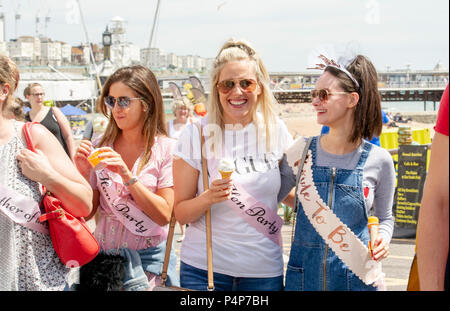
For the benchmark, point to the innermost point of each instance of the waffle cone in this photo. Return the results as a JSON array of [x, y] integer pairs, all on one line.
[[226, 175]]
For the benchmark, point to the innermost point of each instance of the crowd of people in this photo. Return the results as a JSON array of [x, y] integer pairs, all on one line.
[[150, 169]]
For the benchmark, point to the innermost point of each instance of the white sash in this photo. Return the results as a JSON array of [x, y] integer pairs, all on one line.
[[345, 244], [21, 210], [134, 220]]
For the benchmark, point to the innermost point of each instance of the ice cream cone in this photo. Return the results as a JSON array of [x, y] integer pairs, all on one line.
[[226, 167], [226, 175]]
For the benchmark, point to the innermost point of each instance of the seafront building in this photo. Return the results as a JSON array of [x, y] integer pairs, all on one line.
[[74, 74]]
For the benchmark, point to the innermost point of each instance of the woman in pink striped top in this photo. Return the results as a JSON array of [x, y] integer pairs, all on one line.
[[132, 183]]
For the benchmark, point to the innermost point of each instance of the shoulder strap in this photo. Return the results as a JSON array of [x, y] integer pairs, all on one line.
[[299, 172], [300, 168], [208, 226], [27, 133], [207, 213]]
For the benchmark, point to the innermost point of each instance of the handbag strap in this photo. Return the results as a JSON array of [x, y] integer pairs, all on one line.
[[207, 215], [27, 133], [208, 227]]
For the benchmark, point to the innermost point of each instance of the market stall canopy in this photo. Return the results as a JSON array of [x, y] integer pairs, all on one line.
[[70, 110]]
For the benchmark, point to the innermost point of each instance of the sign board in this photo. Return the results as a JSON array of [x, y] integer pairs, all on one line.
[[411, 174]]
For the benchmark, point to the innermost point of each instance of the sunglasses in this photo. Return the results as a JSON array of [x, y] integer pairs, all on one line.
[[247, 85], [38, 94], [122, 102], [323, 94]]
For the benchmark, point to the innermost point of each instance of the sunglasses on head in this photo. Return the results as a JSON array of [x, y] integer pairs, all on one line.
[[323, 94], [247, 85], [122, 101]]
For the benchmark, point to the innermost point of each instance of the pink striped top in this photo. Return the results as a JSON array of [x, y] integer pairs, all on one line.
[[157, 174]]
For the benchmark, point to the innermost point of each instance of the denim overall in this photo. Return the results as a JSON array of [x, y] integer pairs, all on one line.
[[312, 265]]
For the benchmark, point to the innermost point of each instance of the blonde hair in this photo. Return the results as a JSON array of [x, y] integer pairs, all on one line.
[[9, 74], [237, 50], [142, 81], [183, 102]]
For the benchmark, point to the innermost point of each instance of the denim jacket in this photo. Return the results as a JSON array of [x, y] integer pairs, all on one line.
[[147, 260]]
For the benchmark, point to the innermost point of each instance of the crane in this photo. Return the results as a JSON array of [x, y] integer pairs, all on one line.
[[155, 20], [154, 23]]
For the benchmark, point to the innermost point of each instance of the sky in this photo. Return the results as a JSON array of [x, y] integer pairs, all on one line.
[[288, 34]]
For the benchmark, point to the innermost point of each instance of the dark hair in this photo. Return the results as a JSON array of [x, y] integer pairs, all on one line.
[[142, 81], [367, 118]]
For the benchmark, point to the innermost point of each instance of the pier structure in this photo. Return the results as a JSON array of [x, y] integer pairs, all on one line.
[[414, 94]]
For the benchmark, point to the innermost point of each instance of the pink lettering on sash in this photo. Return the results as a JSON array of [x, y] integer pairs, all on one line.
[[261, 217], [21, 210], [125, 209]]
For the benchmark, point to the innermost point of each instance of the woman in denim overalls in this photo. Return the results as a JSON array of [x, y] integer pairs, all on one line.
[[346, 99]]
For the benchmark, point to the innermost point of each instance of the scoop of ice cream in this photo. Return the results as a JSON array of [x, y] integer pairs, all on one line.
[[226, 165]]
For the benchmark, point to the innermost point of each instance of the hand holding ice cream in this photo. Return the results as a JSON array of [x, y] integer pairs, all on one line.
[[226, 168]]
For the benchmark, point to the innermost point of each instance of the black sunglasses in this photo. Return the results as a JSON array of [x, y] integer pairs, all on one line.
[[122, 101]]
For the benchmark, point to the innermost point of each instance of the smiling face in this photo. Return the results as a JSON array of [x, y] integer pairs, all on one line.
[[131, 117], [338, 109], [181, 113], [238, 105]]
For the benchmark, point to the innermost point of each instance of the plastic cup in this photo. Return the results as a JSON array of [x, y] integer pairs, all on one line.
[[93, 157], [373, 225]]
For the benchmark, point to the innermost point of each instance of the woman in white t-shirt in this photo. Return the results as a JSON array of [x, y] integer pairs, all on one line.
[[241, 125], [182, 109]]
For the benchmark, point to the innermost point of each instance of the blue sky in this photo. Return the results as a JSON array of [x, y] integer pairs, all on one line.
[[287, 33]]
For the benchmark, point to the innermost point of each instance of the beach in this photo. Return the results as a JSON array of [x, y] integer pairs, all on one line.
[[300, 120]]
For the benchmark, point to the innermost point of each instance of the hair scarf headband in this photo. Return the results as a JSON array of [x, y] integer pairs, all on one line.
[[339, 66]]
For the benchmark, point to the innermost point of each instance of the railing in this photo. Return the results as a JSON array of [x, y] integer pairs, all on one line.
[[414, 85]]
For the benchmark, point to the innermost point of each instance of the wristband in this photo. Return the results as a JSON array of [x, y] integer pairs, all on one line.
[[132, 181]]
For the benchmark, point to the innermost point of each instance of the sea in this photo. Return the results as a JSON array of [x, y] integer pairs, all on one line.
[[409, 106], [392, 107]]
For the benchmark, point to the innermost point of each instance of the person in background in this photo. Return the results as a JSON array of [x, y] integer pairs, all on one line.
[[375, 140], [432, 226], [353, 177], [52, 118], [28, 261], [133, 185], [242, 111], [95, 128], [182, 109]]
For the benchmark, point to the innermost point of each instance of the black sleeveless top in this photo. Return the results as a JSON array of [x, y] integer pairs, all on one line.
[[51, 123]]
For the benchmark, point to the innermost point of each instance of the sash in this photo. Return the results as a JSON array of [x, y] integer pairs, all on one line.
[[261, 217], [21, 210], [345, 244], [124, 208]]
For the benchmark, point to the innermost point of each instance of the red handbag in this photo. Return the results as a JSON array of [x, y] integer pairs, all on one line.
[[71, 237]]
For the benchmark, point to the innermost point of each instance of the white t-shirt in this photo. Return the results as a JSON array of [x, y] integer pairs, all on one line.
[[176, 129], [238, 249]]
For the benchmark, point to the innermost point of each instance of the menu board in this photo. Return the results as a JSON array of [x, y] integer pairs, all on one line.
[[412, 171]]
